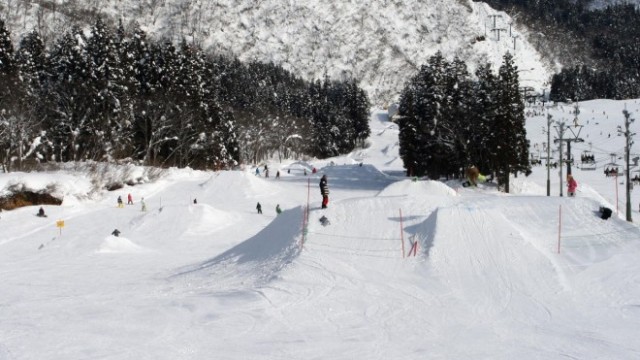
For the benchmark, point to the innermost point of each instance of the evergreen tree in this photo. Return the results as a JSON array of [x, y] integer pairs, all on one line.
[[323, 131], [108, 127], [31, 59], [483, 112], [409, 128], [457, 109], [357, 107], [12, 96], [511, 145], [67, 107]]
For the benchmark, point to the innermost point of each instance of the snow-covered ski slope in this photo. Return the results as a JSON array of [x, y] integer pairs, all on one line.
[[215, 279]]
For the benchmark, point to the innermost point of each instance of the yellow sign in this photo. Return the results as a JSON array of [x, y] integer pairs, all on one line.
[[60, 223]]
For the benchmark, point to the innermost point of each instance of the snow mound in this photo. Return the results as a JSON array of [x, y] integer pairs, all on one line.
[[59, 184], [209, 220], [418, 188], [246, 182], [253, 262], [114, 244], [525, 187]]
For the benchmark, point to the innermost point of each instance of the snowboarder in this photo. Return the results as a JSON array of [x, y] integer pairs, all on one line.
[[473, 177], [41, 212], [472, 174], [259, 208], [195, 201], [324, 191], [278, 174], [116, 233], [571, 185], [129, 199], [120, 202], [605, 213], [278, 210]]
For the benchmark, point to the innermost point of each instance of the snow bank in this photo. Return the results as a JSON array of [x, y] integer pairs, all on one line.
[[114, 244]]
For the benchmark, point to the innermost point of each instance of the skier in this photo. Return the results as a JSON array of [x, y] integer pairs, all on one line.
[[41, 213], [120, 202], [278, 174], [278, 210], [571, 185], [259, 208], [144, 205], [129, 199], [324, 191]]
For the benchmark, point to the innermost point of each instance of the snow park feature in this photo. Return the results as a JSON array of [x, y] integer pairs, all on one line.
[[480, 277]]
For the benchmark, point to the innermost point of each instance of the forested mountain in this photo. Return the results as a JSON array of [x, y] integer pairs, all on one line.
[[211, 84], [379, 43], [112, 94], [598, 42]]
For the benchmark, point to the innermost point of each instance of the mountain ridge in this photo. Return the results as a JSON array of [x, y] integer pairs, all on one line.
[[379, 43]]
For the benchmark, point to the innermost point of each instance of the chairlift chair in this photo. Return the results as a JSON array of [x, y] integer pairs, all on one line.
[[612, 167], [587, 157], [588, 161]]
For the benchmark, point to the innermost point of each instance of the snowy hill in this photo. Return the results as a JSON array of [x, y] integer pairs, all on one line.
[[494, 275], [380, 43]]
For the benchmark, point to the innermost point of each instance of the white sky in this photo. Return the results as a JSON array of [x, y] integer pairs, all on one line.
[[217, 280]]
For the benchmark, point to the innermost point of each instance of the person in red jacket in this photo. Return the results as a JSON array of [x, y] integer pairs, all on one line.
[[324, 191], [572, 185]]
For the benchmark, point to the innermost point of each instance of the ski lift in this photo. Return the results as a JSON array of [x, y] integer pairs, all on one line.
[[587, 157], [551, 163], [588, 161], [535, 160], [636, 178], [611, 169]]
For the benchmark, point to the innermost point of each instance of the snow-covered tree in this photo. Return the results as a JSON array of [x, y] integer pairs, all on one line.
[[511, 144]]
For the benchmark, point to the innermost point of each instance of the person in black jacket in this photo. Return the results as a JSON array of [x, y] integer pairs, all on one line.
[[324, 191]]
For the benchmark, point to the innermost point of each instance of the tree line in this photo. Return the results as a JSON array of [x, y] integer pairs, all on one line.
[[604, 61], [113, 94], [449, 121]]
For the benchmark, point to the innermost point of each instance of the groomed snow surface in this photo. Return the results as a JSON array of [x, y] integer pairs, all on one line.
[[216, 280]]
